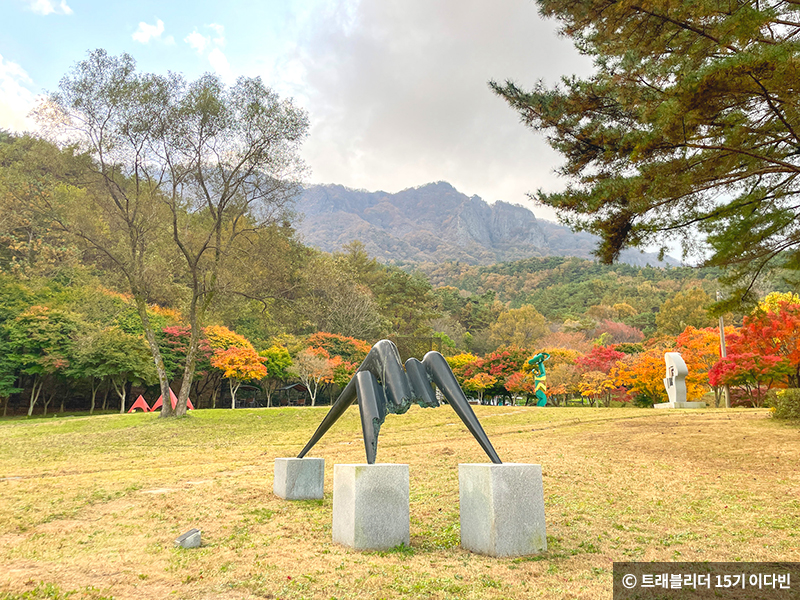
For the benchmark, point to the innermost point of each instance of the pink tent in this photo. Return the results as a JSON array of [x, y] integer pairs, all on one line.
[[174, 399], [140, 403]]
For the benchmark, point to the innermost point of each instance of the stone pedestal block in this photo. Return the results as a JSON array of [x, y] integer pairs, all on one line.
[[299, 478], [370, 506], [680, 405], [502, 509], [190, 539]]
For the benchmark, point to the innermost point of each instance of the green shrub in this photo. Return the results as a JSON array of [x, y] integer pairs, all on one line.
[[785, 404]]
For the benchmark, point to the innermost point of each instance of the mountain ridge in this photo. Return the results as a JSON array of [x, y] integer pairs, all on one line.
[[435, 223]]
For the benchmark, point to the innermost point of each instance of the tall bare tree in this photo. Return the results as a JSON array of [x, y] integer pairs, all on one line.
[[189, 174]]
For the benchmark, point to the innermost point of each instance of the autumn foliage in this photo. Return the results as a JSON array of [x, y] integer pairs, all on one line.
[[343, 355], [238, 365], [643, 375], [764, 353]]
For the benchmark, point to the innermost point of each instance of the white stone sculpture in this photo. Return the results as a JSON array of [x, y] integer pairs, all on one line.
[[675, 382]]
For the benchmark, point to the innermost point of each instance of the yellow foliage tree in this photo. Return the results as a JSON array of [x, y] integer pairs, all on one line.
[[222, 338], [479, 383], [520, 327], [597, 385], [683, 309], [459, 363], [772, 302]]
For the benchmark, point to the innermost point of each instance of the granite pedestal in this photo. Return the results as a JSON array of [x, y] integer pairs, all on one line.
[[502, 509], [680, 405], [370, 506], [299, 478], [190, 539]]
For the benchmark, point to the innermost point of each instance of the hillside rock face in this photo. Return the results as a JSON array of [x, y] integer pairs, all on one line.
[[435, 223]]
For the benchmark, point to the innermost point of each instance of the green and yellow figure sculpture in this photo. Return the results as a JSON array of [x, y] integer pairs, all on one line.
[[539, 377]]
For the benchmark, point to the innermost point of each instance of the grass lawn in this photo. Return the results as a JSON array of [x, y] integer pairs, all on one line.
[[90, 506]]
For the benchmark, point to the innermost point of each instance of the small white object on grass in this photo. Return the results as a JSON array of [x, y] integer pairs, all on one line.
[[190, 539]]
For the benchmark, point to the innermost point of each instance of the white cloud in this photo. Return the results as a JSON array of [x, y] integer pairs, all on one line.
[[397, 94], [46, 7], [220, 30], [198, 41], [16, 99], [146, 32], [220, 64], [210, 47]]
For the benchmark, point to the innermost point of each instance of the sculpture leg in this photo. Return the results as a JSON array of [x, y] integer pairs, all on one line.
[[371, 404], [443, 377], [345, 399]]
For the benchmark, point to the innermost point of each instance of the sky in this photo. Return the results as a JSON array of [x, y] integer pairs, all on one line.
[[396, 90]]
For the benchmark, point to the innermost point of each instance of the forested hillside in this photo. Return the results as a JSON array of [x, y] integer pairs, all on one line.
[[73, 338], [566, 288]]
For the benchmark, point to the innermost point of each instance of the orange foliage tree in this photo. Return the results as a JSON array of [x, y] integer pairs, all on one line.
[[643, 375], [224, 343], [344, 355], [700, 350], [597, 382], [349, 348], [521, 382], [239, 365]]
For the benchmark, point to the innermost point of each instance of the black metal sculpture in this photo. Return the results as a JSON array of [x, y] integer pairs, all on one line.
[[381, 386]]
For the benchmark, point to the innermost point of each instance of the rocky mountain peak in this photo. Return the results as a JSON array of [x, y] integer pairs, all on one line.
[[436, 223]]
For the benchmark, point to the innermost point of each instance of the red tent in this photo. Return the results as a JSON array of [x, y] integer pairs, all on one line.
[[174, 399], [140, 403]]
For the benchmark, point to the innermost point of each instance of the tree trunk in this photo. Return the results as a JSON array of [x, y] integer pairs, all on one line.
[[95, 387], [34, 394], [150, 336], [313, 393], [47, 400], [196, 317], [122, 391], [188, 374], [234, 389], [214, 393], [105, 397]]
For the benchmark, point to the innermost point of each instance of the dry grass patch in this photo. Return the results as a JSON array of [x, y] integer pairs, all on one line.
[[91, 505]]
